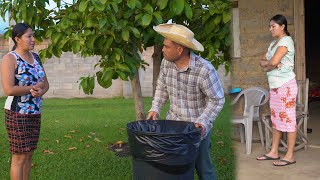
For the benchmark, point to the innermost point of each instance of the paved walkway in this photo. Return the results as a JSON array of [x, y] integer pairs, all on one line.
[[306, 168]]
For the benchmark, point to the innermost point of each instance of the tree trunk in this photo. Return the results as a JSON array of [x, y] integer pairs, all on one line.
[[137, 97], [156, 65]]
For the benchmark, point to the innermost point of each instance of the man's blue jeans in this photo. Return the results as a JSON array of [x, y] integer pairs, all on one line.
[[204, 165]]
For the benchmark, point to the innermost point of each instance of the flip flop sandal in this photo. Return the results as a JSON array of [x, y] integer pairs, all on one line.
[[267, 158], [286, 163]]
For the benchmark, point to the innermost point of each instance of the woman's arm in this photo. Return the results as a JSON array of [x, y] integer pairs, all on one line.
[[263, 61], [40, 88], [8, 67], [276, 59]]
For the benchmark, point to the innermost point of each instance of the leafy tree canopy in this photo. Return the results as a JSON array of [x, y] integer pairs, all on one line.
[[118, 30]]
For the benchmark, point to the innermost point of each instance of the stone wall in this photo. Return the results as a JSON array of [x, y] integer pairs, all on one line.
[[255, 38], [64, 72], [253, 18]]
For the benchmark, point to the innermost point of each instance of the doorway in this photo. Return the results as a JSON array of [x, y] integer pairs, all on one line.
[[312, 46]]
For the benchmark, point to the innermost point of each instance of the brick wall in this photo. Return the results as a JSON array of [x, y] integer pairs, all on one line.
[[64, 72]]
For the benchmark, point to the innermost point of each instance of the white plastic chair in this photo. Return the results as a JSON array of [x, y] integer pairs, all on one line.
[[302, 104], [254, 97]]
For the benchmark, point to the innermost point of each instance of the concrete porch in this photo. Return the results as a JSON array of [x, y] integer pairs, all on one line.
[[306, 168]]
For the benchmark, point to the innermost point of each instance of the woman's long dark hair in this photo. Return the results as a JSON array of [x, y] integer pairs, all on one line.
[[18, 30], [280, 19]]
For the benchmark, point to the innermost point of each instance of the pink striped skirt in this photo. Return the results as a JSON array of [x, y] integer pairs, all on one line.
[[283, 107]]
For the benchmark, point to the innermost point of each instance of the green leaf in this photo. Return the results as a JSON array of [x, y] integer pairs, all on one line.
[[75, 47], [55, 37], [125, 35], [122, 75], [205, 17], [104, 78], [137, 17], [91, 84], [226, 17], [138, 4], [115, 76], [228, 41], [158, 16], [115, 7], [62, 42], [122, 67], [57, 52], [92, 22], [42, 54], [131, 4], [90, 41], [102, 22], [162, 4], [99, 42], [23, 9], [83, 5], [146, 20], [108, 42], [6, 35], [49, 52], [117, 56], [84, 85], [72, 16], [131, 65], [86, 32], [211, 51], [148, 9], [128, 14], [217, 20], [99, 7], [135, 32], [188, 11], [179, 6], [87, 84], [227, 66], [48, 33], [212, 10], [119, 51], [216, 44], [91, 8]]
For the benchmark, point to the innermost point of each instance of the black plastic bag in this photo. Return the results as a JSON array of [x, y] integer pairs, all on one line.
[[164, 141]]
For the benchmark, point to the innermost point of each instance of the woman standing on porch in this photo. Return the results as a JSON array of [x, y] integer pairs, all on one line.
[[24, 82], [278, 62]]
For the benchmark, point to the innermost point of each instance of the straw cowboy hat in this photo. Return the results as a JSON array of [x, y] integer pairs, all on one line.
[[179, 34]]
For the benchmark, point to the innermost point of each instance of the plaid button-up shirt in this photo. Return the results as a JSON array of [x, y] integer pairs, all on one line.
[[195, 93]]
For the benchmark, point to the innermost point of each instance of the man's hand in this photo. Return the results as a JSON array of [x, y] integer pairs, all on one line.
[[203, 129], [152, 115]]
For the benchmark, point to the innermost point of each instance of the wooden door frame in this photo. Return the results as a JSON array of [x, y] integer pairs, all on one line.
[[299, 34]]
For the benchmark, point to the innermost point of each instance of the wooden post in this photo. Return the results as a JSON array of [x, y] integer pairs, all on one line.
[[299, 34]]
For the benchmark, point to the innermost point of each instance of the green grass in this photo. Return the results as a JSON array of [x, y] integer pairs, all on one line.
[[89, 121]]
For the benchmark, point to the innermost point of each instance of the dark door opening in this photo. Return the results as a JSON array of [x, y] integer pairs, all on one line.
[[312, 50], [312, 46]]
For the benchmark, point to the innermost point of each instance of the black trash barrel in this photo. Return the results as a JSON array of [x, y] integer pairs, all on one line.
[[163, 149]]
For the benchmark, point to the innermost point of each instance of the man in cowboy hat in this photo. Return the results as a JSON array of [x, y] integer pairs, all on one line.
[[193, 87]]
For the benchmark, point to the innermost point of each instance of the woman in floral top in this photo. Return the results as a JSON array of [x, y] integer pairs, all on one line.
[[24, 82]]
